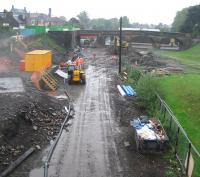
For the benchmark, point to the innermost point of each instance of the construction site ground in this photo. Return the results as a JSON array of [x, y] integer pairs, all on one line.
[[93, 144]]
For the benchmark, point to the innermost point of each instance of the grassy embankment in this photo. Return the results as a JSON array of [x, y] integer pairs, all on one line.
[[182, 92], [189, 57], [45, 42]]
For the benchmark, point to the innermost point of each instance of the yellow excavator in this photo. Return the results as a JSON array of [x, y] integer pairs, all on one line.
[[125, 44]]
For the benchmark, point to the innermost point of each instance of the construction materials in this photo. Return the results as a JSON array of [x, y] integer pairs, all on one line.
[[129, 91], [38, 60], [62, 74], [16, 163], [150, 135], [126, 90], [121, 90], [48, 81]]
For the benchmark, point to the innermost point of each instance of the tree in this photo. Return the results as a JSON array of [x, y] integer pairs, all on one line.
[[98, 24], [179, 20], [192, 21], [114, 23], [104, 24], [163, 27], [84, 20], [74, 20], [63, 18], [125, 22]]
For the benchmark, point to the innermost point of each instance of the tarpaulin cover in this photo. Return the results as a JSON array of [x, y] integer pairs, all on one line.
[[62, 74]]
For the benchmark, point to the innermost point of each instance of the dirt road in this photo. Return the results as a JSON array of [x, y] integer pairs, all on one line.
[[89, 149]]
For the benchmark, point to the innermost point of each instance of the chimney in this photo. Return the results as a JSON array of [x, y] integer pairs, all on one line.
[[12, 7], [49, 12], [25, 9]]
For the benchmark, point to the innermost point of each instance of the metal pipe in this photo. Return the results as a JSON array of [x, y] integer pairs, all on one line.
[[50, 153], [120, 45]]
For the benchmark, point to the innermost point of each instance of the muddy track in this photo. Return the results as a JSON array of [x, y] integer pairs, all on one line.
[[90, 149]]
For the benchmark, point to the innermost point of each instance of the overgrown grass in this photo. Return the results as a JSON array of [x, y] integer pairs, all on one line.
[[146, 88], [182, 94], [189, 57], [45, 42]]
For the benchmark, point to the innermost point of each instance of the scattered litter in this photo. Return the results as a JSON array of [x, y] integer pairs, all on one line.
[[38, 147], [35, 128], [61, 97], [51, 142], [126, 144]]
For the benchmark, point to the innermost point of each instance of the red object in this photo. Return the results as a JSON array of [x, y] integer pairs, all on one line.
[[94, 55], [79, 61], [22, 65]]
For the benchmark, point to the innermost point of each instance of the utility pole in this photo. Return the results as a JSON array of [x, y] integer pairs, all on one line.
[[120, 44]]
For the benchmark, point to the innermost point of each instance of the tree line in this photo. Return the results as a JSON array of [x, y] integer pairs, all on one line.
[[188, 21], [84, 22]]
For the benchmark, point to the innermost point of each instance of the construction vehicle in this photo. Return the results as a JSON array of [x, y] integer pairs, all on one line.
[[125, 44], [76, 75], [116, 44]]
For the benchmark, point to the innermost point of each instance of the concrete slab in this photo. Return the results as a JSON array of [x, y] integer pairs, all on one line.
[[11, 84]]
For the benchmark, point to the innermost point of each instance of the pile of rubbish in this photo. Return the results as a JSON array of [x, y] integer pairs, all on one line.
[[149, 129], [145, 59], [150, 136], [126, 90]]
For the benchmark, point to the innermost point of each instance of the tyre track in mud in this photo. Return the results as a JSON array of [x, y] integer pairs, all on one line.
[[90, 150]]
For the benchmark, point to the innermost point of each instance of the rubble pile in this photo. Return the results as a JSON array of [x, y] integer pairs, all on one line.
[[145, 59], [35, 121], [43, 118]]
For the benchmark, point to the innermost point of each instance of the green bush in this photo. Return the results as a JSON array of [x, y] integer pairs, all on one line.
[[146, 89], [135, 74]]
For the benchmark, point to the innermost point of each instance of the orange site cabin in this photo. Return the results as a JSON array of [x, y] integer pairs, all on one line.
[[38, 60]]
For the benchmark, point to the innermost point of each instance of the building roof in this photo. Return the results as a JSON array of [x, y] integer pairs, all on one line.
[[56, 19], [2, 14], [18, 11], [38, 15], [38, 52]]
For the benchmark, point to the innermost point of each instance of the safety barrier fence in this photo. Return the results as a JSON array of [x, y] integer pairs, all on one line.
[[185, 152]]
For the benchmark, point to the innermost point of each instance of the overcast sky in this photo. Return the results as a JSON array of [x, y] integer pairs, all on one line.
[[142, 11]]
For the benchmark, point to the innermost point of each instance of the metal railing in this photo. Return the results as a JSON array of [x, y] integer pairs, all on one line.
[[185, 152]]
